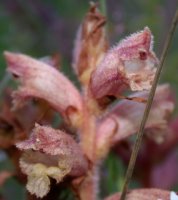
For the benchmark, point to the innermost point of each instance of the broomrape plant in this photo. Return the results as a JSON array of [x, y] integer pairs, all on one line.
[[95, 118]]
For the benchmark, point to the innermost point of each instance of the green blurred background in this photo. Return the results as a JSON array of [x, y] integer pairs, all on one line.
[[44, 27]]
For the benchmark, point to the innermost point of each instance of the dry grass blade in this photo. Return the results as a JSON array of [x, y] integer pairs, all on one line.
[[147, 109]]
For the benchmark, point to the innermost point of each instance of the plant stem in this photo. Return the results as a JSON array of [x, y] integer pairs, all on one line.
[[103, 9], [147, 109]]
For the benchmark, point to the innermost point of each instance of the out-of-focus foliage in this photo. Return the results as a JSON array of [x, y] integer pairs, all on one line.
[[45, 27]]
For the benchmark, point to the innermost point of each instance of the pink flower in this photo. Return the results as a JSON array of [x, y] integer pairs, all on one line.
[[40, 80], [128, 115], [130, 64], [50, 153]]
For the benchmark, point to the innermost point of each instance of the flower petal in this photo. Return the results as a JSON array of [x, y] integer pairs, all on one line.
[[56, 143], [90, 44], [144, 194], [50, 153], [168, 167], [42, 81], [38, 182], [129, 114], [105, 133], [130, 64]]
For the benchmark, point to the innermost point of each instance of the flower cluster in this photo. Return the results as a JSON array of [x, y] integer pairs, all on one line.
[[95, 119]]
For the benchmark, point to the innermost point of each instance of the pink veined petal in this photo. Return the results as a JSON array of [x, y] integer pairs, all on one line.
[[42, 81], [128, 114], [168, 167], [104, 135], [128, 65]]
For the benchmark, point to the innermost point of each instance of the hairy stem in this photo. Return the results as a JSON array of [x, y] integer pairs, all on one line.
[[88, 187], [147, 109]]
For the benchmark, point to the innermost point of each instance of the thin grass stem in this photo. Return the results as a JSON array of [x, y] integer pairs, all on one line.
[[139, 137]]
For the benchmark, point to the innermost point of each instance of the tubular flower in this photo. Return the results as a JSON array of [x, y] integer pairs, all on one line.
[[40, 80], [50, 153], [128, 65], [128, 115]]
